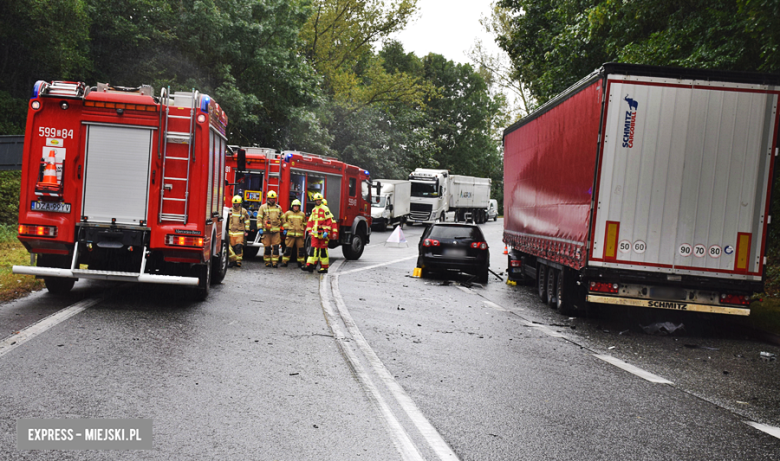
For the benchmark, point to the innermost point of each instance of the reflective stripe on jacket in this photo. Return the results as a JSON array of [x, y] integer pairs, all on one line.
[[295, 223], [270, 217], [320, 221], [238, 221]]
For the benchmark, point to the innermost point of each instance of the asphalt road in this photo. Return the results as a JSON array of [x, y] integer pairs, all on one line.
[[370, 363]]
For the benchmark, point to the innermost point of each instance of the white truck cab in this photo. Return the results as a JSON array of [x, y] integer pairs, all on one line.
[[429, 200]]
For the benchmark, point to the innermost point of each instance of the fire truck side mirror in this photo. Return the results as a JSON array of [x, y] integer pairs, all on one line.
[[241, 160]]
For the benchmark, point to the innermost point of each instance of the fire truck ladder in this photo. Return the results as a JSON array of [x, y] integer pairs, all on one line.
[[274, 171], [176, 137]]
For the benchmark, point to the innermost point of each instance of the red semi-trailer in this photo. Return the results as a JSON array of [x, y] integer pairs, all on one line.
[[118, 184], [644, 186], [253, 171]]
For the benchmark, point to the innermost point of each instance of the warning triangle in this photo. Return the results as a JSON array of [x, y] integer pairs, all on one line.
[[397, 238]]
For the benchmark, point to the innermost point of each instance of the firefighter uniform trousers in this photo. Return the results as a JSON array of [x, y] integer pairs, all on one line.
[[319, 222], [295, 225], [270, 218], [237, 225]]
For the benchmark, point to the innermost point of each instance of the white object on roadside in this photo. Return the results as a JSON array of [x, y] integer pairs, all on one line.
[[397, 238]]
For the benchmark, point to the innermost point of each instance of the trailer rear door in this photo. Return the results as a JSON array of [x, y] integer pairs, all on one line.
[[684, 176], [116, 174]]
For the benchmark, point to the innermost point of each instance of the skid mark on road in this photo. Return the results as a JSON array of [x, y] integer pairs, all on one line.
[[12, 342]]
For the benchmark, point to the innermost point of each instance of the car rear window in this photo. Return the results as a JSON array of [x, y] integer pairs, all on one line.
[[456, 232]]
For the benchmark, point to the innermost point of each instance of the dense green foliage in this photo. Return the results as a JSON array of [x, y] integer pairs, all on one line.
[[10, 181], [291, 74], [555, 43]]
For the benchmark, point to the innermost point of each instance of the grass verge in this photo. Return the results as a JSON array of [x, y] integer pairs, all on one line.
[[12, 252]]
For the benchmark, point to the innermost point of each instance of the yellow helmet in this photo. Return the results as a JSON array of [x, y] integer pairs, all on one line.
[[236, 199], [296, 202], [317, 196], [325, 202], [271, 194]]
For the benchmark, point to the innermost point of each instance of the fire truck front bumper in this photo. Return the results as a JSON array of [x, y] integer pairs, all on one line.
[[105, 275]]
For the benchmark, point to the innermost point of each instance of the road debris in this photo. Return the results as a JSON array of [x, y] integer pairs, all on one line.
[[767, 356], [662, 328]]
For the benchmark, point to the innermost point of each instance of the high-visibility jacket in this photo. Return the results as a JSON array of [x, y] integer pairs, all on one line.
[[269, 217], [238, 221], [294, 223], [320, 221]]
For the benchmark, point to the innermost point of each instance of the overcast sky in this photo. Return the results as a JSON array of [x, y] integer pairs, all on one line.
[[447, 27]]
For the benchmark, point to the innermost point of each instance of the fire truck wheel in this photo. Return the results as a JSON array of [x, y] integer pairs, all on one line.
[[221, 264], [58, 285], [250, 252], [355, 247], [204, 281]]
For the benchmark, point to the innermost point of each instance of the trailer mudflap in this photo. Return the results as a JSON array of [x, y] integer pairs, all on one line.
[[669, 305], [105, 275]]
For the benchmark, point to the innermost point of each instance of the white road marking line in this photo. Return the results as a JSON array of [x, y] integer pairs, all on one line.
[[12, 342], [633, 370], [495, 306], [771, 430], [544, 329], [399, 436], [431, 435], [464, 289], [376, 265]]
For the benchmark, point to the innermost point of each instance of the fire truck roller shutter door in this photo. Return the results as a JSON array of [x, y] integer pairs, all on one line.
[[116, 174], [333, 195]]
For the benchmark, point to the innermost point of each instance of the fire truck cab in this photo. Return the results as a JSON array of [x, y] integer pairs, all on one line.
[[252, 172], [118, 184]]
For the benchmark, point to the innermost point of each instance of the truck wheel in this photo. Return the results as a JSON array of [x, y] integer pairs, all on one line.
[[383, 226], [541, 282], [443, 217], [250, 252], [564, 294], [204, 281], [221, 262], [355, 247], [58, 285], [552, 275]]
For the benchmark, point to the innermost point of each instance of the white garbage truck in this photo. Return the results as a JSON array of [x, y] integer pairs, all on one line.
[[390, 203]]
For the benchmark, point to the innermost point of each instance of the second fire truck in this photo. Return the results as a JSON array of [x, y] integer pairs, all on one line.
[[252, 172]]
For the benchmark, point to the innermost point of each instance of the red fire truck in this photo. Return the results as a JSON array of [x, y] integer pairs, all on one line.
[[252, 172], [118, 184]]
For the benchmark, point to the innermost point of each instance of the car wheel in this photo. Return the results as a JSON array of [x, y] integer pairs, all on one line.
[[552, 275], [355, 247], [204, 281], [221, 262], [250, 252], [483, 276], [541, 282], [58, 285]]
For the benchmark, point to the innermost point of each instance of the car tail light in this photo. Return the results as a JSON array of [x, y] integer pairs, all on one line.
[[178, 240], [431, 243], [479, 245], [604, 287], [731, 298], [39, 231], [516, 263]]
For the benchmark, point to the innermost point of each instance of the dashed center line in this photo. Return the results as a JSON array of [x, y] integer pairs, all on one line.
[[633, 370]]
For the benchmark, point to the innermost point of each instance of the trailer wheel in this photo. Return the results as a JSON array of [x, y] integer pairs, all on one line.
[[355, 247], [204, 281], [564, 294], [221, 262], [58, 285], [541, 282], [552, 275]]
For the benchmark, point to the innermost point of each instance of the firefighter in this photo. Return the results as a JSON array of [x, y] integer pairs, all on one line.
[[294, 221], [238, 229], [269, 223], [319, 227]]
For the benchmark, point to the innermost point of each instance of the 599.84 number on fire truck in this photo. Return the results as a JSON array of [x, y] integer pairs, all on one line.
[[47, 132]]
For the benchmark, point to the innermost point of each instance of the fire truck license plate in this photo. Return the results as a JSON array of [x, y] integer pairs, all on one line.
[[56, 207]]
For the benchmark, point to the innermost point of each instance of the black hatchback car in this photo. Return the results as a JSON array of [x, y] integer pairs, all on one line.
[[454, 247]]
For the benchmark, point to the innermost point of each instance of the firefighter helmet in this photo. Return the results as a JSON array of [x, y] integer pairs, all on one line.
[[296, 202], [271, 194], [236, 199], [317, 196], [325, 202]]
